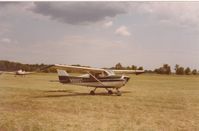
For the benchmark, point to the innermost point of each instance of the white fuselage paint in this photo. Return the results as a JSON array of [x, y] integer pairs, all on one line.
[[108, 84]]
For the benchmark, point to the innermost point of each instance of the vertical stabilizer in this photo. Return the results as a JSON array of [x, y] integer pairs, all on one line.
[[63, 76]]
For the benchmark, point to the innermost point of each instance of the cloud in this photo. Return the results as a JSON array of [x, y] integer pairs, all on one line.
[[5, 40], [16, 4], [185, 14], [5, 28], [5, 4], [108, 24], [79, 12], [123, 31]]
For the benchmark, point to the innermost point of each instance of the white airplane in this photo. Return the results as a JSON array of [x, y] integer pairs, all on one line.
[[17, 73], [95, 77]]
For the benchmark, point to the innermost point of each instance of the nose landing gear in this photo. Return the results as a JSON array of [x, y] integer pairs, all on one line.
[[110, 92], [118, 93], [92, 92]]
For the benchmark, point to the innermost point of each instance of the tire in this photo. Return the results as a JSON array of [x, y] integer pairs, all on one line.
[[92, 93], [119, 94], [110, 92]]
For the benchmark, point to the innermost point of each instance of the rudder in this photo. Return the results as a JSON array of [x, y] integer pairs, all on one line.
[[63, 76]]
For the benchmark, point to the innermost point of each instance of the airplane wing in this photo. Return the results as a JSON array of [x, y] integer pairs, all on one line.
[[16, 72], [7, 72], [96, 79], [80, 69], [137, 72], [27, 73]]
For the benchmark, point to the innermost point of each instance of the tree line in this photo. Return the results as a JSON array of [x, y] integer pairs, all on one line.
[[119, 66], [14, 66], [179, 70], [165, 69]]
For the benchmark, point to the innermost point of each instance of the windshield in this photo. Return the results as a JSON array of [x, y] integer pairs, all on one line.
[[110, 72]]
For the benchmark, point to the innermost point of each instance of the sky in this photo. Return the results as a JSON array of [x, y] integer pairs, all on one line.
[[101, 34]]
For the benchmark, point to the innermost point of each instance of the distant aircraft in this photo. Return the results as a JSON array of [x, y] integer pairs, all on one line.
[[17, 73], [95, 77]]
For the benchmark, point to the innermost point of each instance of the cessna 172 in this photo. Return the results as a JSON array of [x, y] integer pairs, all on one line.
[[19, 72], [95, 77]]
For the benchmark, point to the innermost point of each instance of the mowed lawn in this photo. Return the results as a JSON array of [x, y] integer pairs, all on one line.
[[148, 103]]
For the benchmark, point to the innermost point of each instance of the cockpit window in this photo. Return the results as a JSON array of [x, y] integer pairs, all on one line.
[[110, 72]]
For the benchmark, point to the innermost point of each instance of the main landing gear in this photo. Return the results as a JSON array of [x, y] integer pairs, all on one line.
[[118, 93], [92, 92], [110, 92]]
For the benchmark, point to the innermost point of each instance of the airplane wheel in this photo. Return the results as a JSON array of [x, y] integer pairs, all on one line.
[[92, 93], [119, 94], [110, 92]]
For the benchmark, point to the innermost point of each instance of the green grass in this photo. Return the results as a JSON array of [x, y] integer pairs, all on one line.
[[148, 103]]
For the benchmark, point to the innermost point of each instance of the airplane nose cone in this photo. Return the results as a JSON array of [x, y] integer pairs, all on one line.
[[126, 78]]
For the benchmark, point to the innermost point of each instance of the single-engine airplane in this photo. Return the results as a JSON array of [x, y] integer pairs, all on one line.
[[95, 77], [18, 72]]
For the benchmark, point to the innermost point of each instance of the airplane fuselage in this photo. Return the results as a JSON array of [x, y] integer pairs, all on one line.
[[104, 82], [106, 79]]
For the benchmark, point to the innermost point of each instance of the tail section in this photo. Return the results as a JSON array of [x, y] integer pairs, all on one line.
[[63, 76]]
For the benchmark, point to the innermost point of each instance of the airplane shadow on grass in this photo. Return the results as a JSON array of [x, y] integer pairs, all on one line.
[[70, 93]]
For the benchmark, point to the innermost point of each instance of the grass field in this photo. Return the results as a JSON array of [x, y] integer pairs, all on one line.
[[148, 103]]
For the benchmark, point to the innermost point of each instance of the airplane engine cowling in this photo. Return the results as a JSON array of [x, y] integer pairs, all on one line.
[[126, 78]]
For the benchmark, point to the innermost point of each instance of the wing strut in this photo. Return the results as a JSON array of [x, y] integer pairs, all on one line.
[[96, 79], [93, 91]]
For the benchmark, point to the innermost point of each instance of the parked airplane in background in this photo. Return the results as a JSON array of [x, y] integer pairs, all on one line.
[[17, 73], [95, 77]]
